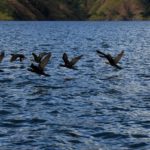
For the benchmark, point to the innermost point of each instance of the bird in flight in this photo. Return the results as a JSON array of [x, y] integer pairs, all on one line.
[[40, 68], [14, 57], [38, 58], [113, 61], [2, 54], [70, 63]]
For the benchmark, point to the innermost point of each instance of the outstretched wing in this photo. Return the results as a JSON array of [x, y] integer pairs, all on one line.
[[65, 58], [101, 54], [118, 57], [44, 61], [75, 60], [41, 55], [35, 56]]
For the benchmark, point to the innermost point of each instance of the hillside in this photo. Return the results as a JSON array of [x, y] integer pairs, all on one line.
[[74, 10], [120, 10]]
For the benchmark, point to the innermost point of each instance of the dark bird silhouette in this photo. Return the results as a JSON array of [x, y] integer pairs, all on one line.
[[2, 54], [40, 68], [112, 61], [14, 57], [70, 64], [38, 58]]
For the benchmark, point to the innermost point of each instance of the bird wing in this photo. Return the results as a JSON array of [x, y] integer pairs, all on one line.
[[75, 59], [44, 61], [118, 57], [35, 56], [65, 58], [107, 56], [41, 55], [101, 54], [13, 57]]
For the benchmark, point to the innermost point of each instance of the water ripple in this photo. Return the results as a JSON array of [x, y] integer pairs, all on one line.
[[95, 107]]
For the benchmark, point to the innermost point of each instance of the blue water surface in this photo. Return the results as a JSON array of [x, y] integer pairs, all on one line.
[[95, 107]]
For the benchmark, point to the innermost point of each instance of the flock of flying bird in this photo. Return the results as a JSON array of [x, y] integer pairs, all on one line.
[[43, 58]]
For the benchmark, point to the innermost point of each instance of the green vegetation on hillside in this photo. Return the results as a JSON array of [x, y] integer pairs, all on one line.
[[5, 13], [74, 9]]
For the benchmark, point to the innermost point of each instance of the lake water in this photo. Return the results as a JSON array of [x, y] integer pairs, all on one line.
[[95, 107]]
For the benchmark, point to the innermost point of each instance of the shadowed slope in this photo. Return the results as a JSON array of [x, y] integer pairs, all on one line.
[[74, 9]]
